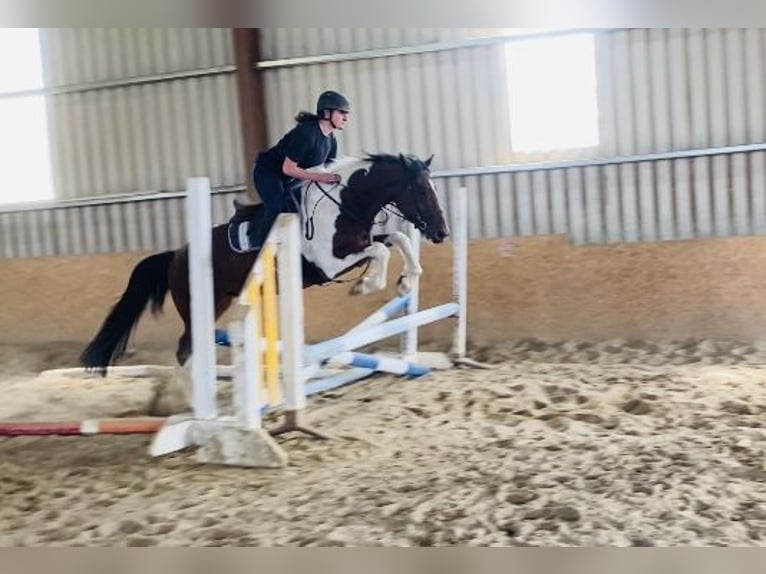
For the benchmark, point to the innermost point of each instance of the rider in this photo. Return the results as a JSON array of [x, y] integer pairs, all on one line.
[[280, 170]]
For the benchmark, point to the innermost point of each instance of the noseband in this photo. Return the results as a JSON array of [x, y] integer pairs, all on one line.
[[419, 222]]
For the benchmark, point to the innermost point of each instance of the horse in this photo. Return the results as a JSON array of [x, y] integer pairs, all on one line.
[[338, 223]]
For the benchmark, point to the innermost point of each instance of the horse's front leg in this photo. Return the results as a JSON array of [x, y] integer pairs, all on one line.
[[412, 269], [374, 279]]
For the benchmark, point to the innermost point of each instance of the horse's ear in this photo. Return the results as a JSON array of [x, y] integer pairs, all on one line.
[[356, 178], [405, 161], [428, 161]]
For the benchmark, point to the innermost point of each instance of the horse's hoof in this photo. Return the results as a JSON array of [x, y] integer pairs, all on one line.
[[358, 288], [403, 285], [366, 286]]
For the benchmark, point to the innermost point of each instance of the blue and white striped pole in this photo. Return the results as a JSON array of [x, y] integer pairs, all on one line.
[[222, 338], [323, 351], [377, 363], [384, 313]]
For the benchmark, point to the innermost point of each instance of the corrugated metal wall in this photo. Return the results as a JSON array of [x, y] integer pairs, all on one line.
[[679, 89], [716, 196], [147, 225], [112, 134], [659, 90], [284, 43], [449, 103]]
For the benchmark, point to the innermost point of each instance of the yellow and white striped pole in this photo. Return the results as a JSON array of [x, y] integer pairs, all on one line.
[[270, 325]]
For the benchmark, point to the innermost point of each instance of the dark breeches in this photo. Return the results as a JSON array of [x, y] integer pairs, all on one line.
[[276, 197]]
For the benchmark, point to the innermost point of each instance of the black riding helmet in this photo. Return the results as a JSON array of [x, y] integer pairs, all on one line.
[[331, 100]]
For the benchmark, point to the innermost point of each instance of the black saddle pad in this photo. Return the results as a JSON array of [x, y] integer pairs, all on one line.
[[244, 228]]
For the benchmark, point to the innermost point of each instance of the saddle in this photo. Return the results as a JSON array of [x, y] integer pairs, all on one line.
[[244, 211], [242, 231], [244, 226]]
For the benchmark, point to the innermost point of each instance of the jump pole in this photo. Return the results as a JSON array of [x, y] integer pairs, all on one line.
[[327, 349], [384, 313], [146, 425]]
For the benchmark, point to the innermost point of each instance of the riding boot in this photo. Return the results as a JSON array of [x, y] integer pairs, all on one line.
[[270, 188], [263, 229]]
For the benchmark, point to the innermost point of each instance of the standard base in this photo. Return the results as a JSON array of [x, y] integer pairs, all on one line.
[[221, 441]]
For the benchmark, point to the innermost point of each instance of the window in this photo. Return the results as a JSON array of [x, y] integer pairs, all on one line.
[[552, 93], [25, 164]]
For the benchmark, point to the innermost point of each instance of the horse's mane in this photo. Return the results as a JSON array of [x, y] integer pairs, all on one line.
[[347, 165], [411, 163], [342, 163]]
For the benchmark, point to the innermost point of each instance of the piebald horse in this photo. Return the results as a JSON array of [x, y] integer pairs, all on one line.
[[337, 222]]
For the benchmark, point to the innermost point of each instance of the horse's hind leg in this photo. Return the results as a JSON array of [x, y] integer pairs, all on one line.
[[183, 351], [183, 305]]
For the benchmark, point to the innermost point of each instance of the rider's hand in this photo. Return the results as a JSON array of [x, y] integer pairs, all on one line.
[[328, 178]]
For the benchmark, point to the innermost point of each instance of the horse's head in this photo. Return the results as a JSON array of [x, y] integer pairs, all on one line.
[[408, 181]]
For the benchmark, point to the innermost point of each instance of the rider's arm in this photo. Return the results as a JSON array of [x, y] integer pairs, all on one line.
[[291, 169]]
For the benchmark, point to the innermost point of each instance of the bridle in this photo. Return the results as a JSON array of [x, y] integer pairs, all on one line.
[[309, 228], [389, 208]]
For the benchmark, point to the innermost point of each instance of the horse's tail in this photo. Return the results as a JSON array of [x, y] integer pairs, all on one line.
[[148, 284]]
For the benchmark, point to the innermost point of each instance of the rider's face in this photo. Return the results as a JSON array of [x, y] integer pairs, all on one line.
[[339, 119]]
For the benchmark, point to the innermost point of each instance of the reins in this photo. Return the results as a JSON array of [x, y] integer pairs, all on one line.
[[309, 222]]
